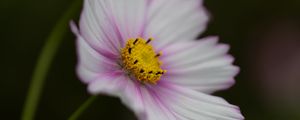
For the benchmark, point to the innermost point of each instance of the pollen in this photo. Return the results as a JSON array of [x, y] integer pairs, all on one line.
[[141, 61]]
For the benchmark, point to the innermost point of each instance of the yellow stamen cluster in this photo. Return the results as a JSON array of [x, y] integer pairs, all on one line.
[[140, 60]]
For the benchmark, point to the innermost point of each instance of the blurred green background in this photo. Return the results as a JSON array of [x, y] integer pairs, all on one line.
[[264, 36]]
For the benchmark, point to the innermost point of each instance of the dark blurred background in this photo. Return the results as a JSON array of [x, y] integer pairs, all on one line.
[[264, 36]]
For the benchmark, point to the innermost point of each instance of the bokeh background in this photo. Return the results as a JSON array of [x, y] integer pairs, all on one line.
[[264, 36]]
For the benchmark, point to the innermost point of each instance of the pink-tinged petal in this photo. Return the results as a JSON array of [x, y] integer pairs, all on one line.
[[96, 29], [174, 20], [187, 104], [127, 15], [91, 64], [108, 23], [202, 65], [110, 84], [154, 108], [119, 85], [132, 97]]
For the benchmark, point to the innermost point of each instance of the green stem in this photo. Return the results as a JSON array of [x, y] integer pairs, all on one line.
[[82, 108], [45, 59]]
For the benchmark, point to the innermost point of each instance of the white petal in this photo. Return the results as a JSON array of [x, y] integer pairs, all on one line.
[[108, 23], [201, 65], [91, 63], [174, 20], [192, 105]]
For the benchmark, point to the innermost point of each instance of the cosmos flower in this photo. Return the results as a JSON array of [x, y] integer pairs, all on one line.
[[145, 52]]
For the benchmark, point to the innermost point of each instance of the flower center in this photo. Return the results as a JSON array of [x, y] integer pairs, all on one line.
[[140, 59]]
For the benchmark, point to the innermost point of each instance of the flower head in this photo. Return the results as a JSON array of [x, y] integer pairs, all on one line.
[[145, 52]]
